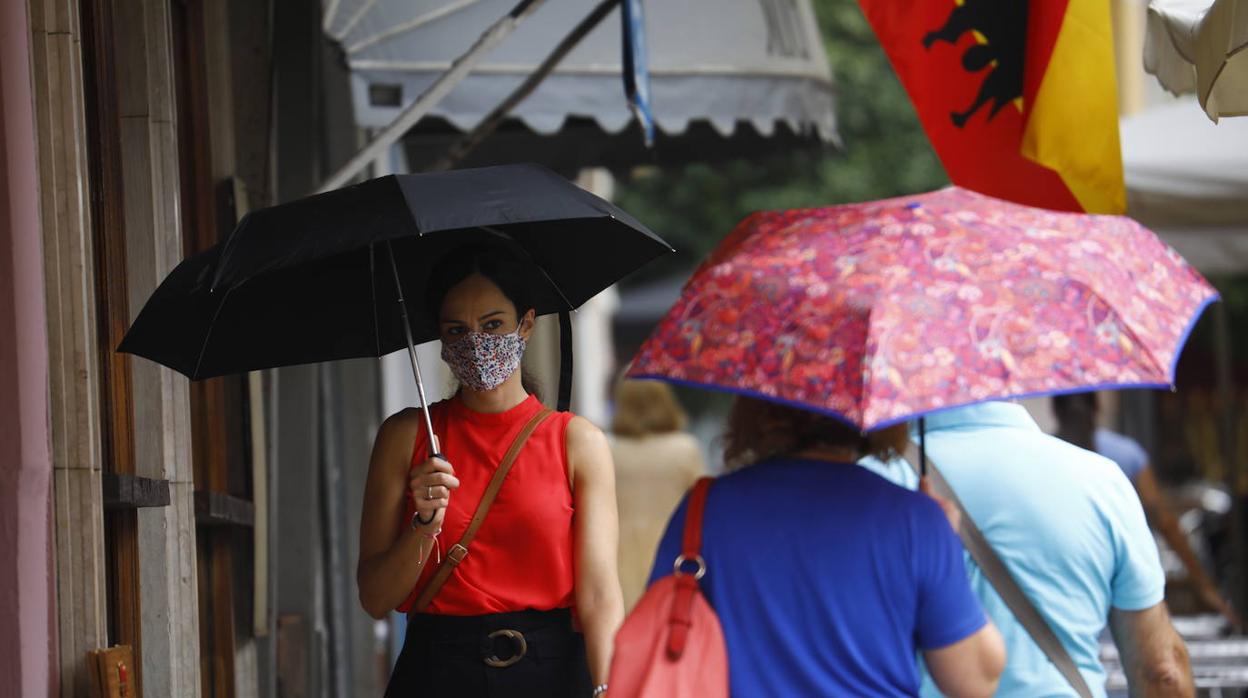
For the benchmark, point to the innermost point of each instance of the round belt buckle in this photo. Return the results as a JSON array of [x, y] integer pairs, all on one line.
[[522, 646]]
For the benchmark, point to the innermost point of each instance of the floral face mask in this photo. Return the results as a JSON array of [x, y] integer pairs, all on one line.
[[481, 360]]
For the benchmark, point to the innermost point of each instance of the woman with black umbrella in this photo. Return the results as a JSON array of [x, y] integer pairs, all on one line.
[[320, 279], [530, 493]]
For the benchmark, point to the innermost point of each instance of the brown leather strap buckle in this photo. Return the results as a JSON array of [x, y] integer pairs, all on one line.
[[522, 647], [456, 554]]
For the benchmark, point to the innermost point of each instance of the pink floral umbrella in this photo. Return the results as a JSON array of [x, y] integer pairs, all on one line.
[[883, 311]]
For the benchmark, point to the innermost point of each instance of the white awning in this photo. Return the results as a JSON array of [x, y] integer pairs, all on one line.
[[1187, 180], [722, 62]]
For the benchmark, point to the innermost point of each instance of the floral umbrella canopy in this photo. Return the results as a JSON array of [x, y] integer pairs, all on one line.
[[880, 312]]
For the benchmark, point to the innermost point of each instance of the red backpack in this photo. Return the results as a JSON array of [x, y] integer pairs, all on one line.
[[672, 645]]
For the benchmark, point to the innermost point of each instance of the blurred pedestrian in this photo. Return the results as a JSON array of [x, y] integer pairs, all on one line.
[[1076, 417], [1069, 528], [828, 579], [656, 462], [502, 624]]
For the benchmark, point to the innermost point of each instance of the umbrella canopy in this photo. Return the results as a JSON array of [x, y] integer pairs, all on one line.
[[879, 312], [311, 280], [752, 74], [1199, 46]]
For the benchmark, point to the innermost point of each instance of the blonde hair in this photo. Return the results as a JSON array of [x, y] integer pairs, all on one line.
[[644, 407], [760, 429]]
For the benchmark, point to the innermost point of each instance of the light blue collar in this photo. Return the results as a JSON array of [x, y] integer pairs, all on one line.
[[983, 414]]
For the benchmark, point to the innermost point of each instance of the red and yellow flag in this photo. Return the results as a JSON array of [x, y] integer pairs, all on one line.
[[1017, 96]]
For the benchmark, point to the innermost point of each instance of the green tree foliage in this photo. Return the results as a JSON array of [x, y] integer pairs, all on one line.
[[884, 153]]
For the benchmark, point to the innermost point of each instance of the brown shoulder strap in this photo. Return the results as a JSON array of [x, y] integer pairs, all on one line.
[[460, 550], [998, 575]]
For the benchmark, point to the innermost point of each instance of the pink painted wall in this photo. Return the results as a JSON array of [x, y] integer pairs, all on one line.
[[27, 610]]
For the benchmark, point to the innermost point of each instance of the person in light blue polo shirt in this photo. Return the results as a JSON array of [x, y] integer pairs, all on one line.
[[1069, 526]]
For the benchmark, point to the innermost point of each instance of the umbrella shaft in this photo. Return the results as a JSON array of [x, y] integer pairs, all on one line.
[[420, 383], [922, 447], [411, 355]]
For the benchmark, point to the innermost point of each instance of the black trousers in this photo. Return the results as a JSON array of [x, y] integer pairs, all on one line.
[[447, 656]]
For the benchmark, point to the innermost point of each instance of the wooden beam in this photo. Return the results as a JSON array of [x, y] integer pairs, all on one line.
[[221, 509], [133, 492]]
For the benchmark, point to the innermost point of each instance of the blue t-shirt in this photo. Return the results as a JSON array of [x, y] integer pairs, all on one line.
[[1123, 450], [1065, 521], [827, 579]]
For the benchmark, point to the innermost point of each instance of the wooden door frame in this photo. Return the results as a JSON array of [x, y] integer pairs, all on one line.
[[106, 191], [212, 403]]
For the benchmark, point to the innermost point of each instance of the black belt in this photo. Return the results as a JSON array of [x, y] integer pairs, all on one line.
[[497, 639]]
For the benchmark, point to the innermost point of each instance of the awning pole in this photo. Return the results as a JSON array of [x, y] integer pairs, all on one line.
[[431, 96], [482, 130]]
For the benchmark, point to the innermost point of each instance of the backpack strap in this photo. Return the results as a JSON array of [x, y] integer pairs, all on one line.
[[459, 551], [681, 619]]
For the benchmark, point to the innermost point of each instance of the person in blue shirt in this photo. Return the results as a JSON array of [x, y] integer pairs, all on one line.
[[828, 579], [1076, 422], [1069, 527], [1076, 418]]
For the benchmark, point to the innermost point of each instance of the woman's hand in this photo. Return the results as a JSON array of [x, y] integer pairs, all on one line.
[[431, 484], [392, 557]]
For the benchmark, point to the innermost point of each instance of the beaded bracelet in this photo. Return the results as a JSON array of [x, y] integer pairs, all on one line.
[[433, 537]]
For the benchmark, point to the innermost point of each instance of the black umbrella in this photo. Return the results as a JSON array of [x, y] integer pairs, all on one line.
[[322, 278]]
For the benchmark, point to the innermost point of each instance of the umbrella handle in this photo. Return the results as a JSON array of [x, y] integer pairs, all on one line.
[[434, 452]]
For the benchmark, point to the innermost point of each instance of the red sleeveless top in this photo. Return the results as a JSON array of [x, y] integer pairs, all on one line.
[[521, 557]]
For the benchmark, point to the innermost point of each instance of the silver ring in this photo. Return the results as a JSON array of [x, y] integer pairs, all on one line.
[[429, 493], [679, 567]]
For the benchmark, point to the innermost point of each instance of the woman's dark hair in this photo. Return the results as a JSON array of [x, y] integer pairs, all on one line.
[[1076, 419], [760, 429], [505, 269]]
